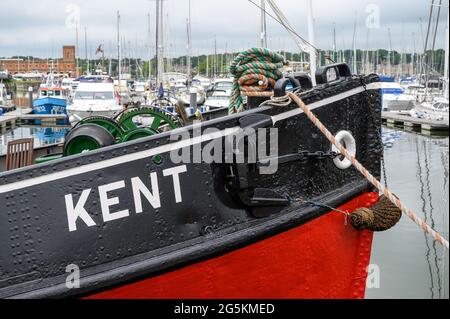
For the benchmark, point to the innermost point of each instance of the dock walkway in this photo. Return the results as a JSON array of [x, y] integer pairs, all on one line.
[[409, 122], [11, 120]]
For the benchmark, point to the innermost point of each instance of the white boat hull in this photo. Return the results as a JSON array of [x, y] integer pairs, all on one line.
[[75, 115]]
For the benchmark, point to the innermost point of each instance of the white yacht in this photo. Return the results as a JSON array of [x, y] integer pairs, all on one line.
[[92, 99], [436, 109], [394, 97], [218, 100], [225, 85], [201, 81], [219, 95]]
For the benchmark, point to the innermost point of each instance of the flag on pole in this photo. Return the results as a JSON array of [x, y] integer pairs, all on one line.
[[99, 49]]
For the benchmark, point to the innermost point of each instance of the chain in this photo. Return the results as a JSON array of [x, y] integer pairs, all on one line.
[[320, 155]]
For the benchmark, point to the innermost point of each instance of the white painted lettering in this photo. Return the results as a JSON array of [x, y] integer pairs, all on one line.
[[106, 202], [73, 213]]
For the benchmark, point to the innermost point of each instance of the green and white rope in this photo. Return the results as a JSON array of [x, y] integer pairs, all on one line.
[[254, 71]]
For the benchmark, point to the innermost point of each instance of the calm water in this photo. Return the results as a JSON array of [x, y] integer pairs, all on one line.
[[42, 136], [411, 264]]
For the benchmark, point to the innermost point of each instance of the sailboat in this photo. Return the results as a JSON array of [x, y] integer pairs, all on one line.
[[433, 104]]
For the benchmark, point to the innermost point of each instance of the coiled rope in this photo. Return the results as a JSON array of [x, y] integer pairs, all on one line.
[[387, 193], [254, 71]]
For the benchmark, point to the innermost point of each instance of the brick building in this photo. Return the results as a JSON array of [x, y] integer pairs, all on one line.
[[66, 65]]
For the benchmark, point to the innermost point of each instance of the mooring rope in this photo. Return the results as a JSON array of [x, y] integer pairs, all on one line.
[[395, 200], [254, 71]]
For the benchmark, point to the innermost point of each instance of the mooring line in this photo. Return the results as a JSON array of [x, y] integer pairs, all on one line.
[[396, 201]]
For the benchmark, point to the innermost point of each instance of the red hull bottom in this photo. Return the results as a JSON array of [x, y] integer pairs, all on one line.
[[321, 259]]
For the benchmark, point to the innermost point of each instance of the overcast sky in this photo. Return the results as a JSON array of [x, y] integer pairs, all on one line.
[[40, 28]]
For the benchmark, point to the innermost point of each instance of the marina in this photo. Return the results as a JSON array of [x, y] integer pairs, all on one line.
[[152, 157]]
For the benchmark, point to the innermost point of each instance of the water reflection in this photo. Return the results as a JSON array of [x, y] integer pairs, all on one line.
[[412, 264], [43, 136]]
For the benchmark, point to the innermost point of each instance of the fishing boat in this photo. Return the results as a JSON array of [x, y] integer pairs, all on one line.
[[117, 216], [51, 100]]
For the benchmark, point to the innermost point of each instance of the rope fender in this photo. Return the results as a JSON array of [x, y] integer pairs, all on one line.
[[380, 217], [254, 71]]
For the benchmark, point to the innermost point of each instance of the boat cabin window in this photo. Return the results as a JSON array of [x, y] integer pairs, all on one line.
[[94, 96], [441, 106]]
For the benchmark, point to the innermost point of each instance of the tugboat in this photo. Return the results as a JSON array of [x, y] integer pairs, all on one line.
[[118, 216]]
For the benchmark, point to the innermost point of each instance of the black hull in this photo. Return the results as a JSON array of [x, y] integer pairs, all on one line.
[[37, 244]]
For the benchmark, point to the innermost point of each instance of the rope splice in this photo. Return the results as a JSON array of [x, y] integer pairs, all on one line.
[[255, 71]]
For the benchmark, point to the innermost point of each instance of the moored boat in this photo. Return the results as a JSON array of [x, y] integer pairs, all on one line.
[[6, 104], [127, 219], [94, 98], [51, 100]]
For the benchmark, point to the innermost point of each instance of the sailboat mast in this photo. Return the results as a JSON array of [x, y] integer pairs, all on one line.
[[334, 42], [149, 48], [157, 45], [159, 41], [263, 35], [189, 45], [207, 65], [119, 48], [435, 35], [424, 58], [215, 57], [76, 51], [86, 50], [446, 59], [390, 53], [355, 67], [312, 50], [414, 56]]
